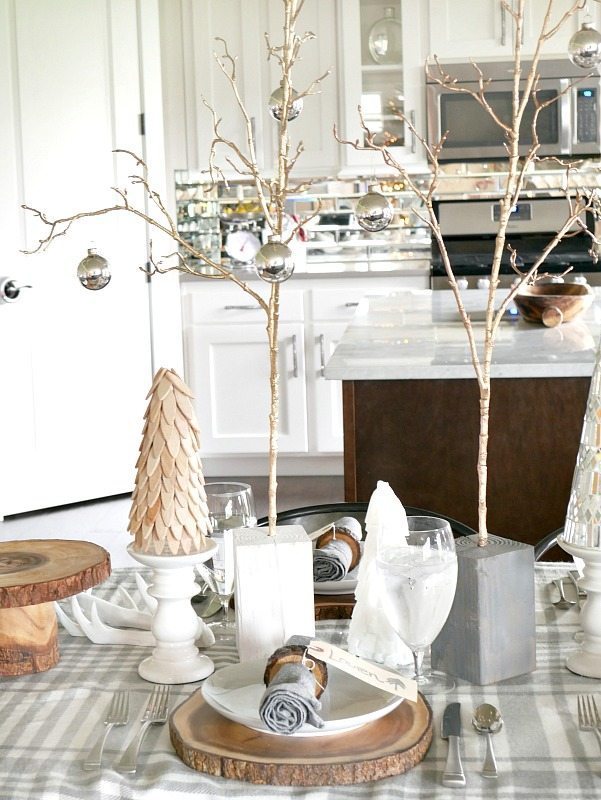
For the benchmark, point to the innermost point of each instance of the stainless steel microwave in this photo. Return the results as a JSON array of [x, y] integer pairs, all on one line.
[[567, 127]]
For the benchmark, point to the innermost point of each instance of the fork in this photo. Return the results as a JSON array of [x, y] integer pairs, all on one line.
[[155, 713], [588, 716], [117, 715]]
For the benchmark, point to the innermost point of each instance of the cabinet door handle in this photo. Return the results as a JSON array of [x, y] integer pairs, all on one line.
[[294, 357], [249, 307], [351, 304], [503, 26], [322, 355]]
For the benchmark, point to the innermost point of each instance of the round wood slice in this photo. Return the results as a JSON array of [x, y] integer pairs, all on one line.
[[334, 606], [33, 573], [36, 571], [208, 742], [343, 536], [295, 654]]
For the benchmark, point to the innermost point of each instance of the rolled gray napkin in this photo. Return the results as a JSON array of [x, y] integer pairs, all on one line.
[[289, 701], [337, 550], [332, 562]]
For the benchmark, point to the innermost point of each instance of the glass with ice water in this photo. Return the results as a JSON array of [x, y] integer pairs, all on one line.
[[418, 578]]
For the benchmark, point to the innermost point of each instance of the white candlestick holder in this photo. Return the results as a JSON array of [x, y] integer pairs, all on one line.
[[587, 660], [175, 624]]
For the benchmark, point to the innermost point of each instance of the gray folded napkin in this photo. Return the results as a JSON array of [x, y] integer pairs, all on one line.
[[332, 561], [289, 701]]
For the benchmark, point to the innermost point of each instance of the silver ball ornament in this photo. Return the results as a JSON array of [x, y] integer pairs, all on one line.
[[274, 262], [584, 48], [93, 271], [373, 211], [276, 104]]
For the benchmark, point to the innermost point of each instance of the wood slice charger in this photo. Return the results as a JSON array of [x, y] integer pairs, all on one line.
[[391, 745], [34, 573]]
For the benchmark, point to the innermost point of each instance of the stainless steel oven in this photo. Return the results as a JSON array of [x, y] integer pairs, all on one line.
[[469, 228], [569, 125]]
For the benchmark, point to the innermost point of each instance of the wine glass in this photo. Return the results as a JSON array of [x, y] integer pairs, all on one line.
[[231, 505], [418, 577]]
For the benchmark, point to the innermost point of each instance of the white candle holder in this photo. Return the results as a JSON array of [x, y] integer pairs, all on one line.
[[582, 530], [175, 624], [587, 660]]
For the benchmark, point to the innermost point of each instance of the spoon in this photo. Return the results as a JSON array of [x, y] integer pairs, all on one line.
[[487, 720]]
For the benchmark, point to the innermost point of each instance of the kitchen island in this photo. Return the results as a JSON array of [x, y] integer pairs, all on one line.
[[411, 409]]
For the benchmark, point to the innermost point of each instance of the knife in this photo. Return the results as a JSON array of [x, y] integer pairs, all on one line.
[[451, 730]]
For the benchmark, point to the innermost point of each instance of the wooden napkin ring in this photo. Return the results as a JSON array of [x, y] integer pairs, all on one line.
[[296, 654], [342, 536]]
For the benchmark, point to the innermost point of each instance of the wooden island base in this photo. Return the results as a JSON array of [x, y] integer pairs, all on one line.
[[421, 436], [208, 742], [33, 573]]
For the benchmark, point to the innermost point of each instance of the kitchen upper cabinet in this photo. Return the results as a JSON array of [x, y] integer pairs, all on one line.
[[238, 24], [192, 78], [464, 29], [381, 70], [315, 125]]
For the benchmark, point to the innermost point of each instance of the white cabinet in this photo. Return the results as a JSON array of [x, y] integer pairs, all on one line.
[[463, 29], [324, 397], [228, 372], [191, 76], [381, 70], [314, 127], [227, 368]]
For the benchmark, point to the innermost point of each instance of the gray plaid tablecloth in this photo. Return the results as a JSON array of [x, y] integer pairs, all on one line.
[[49, 721]]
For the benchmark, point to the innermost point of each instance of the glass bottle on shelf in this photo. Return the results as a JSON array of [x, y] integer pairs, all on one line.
[[385, 40]]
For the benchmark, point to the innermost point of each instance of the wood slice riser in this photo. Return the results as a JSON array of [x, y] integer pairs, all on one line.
[[209, 743], [33, 573], [28, 640]]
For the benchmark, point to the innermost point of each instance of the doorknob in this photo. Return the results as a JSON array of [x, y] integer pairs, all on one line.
[[10, 290]]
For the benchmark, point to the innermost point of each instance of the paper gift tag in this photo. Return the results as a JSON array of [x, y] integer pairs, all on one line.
[[382, 678]]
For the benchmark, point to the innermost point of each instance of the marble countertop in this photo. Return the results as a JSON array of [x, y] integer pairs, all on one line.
[[418, 334]]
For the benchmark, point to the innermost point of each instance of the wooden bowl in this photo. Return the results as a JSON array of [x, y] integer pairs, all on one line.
[[553, 303]]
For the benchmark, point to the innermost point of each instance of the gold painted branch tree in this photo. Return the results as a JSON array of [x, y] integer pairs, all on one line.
[[274, 260], [524, 91]]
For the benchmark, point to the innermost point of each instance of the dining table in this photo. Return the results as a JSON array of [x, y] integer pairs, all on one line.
[[50, 720]]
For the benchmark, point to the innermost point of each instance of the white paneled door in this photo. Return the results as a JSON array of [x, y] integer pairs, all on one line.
[[75, 364]]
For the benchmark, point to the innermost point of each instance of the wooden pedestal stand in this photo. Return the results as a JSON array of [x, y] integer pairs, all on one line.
[[208, 742], [34, 573]]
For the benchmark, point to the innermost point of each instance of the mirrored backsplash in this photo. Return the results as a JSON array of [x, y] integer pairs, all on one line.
[[227, 223]]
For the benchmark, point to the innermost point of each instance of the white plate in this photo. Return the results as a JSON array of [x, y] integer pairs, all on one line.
[[235, 692], [346, 586]]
